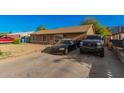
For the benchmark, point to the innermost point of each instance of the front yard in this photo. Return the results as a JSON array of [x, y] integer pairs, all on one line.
[[19, 49], [4, 54]]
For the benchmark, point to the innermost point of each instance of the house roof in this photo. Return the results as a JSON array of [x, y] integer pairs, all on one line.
[[72, 29]]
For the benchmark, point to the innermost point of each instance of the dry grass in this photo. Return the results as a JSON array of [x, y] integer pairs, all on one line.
[[21, 49], [4, 55]]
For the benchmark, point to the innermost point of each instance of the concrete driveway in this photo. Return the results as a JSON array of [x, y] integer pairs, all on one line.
[[73, 65], [45, 65]]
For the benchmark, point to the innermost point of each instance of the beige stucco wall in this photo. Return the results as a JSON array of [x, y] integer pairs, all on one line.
[[90, 31], [122, 36], [51, 38], [118, 36], [71, 35], [39, 39]]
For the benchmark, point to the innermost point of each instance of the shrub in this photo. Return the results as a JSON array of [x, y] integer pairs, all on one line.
[[16, 41]]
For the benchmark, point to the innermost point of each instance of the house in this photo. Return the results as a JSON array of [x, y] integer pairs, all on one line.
[[118, 36], [15, 36], [20, 34], [52, 36], [23, 36], [117, 32]]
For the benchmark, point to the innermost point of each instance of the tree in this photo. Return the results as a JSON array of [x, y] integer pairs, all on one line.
[[40, 27], [103, 31], [3, 34]]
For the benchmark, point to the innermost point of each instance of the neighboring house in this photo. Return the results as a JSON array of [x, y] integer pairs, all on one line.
[[15, 36], [52, 36], [118, 36], [23, 36], [19, 34], [117, 32]]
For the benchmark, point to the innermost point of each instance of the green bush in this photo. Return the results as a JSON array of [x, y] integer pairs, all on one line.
[[16, 41]]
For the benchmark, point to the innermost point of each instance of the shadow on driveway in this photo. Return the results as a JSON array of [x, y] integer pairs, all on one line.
[[98, 67], [106, 67]]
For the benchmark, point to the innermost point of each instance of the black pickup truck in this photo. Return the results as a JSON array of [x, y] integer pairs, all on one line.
[[93, 44]]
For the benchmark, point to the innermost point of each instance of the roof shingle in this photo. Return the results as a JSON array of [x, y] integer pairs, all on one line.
[[72, 29]]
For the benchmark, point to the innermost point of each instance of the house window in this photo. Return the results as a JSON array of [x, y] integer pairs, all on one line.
[[44, 38], [33, 37], [58, 37]]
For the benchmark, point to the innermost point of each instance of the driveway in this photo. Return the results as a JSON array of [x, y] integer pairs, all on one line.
[[44, 65], [72, 65]]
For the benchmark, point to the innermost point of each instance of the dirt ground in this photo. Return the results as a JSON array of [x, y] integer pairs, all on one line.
[[73, 65], [33, 63], [43, 65], [21, 49]]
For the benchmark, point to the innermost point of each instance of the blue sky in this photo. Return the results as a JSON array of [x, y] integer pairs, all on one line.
[[25, 23]]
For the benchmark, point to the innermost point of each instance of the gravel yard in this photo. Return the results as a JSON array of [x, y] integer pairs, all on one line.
[[21, 49]]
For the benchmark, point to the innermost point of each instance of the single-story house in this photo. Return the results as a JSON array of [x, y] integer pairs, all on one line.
[[52, 36], [118, 36], [23, 36], [15, 36], [19, 35], [117, 32]]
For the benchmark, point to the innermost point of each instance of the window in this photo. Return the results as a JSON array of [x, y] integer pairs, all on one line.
[[44, 38], [33, 37], [58, 37]]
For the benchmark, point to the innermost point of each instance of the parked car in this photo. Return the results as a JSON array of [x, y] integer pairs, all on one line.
[[6, 40], [63, 46], [94, 44]]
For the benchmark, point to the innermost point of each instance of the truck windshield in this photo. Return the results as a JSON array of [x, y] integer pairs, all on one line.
[[94, 37]]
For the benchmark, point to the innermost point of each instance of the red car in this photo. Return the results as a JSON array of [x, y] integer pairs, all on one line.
[[6, 40]]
